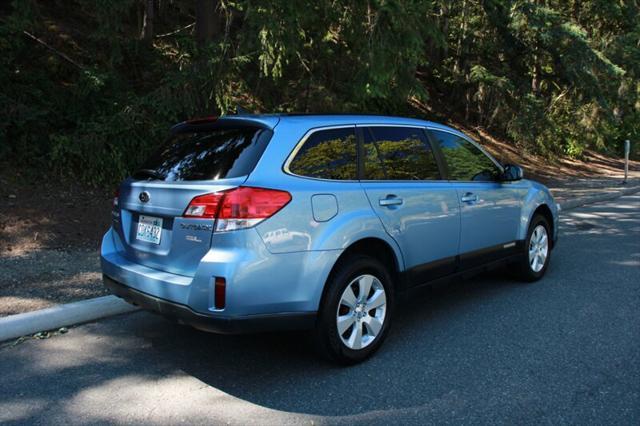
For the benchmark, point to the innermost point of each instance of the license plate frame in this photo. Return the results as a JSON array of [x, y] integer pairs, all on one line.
[[149, 229]]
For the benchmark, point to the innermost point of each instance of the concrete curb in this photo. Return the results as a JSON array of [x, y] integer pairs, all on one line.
[[15, 326], [577, 202]]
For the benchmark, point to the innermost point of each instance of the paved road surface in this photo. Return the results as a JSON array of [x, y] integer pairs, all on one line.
[[489, 350]]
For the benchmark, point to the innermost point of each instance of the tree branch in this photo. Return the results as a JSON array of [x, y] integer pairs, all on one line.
[[176, 31], [57, 52]]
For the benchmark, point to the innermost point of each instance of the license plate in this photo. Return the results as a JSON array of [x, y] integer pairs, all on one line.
[[149, 229]]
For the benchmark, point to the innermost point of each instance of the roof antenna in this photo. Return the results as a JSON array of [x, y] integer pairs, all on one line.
[[241, 111]]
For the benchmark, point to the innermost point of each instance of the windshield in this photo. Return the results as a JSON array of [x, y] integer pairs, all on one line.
[[206, 155]]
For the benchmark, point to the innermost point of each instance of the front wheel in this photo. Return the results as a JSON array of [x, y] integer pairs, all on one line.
[[356, 311], [536, 255]]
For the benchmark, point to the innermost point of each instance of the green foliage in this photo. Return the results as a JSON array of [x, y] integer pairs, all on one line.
[[400, 160], [555, 77], [334, 159]]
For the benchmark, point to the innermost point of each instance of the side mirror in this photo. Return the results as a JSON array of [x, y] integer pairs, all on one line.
[[512, 173]]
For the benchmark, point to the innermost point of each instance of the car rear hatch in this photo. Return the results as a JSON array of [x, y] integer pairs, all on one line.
[[201, 157]]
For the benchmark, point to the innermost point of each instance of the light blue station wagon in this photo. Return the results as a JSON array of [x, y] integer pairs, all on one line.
[[250, 223]]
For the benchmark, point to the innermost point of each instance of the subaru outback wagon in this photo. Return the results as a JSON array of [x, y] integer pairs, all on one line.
[[261, 222]]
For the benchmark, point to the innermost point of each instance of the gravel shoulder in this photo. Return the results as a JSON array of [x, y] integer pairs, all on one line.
[[49, 238], [43, 278]]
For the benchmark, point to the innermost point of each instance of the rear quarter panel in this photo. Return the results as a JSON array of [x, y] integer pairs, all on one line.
[[294, 228]]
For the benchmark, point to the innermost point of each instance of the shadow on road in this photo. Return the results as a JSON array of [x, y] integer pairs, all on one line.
[[464, 336], [281, 371], [565, 347]]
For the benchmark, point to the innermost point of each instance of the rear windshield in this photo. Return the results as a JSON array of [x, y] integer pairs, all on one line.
[[206, 155]]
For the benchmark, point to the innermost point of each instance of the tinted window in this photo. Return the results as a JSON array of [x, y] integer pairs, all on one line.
[[464, 160], [327, 154], [398, 153], [204, 155]]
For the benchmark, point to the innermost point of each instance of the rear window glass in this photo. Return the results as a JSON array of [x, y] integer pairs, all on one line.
[[206, 155], [328, 154]]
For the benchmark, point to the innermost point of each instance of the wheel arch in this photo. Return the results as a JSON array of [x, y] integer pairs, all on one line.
[[544, 211], [376, 248], [538, 200]]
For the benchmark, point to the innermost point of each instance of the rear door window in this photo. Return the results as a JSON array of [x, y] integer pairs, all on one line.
[[206, 155], [465, 161], [328, 154], [398, 153]]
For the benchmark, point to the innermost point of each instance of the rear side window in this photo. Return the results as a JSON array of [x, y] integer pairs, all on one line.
[[465, 161], [206, 155], [398, 153], [327, 154]]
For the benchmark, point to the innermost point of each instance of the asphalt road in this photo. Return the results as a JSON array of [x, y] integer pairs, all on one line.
[[565, 350]]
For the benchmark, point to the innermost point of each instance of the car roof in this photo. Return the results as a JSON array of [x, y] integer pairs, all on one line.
[[321, 120]]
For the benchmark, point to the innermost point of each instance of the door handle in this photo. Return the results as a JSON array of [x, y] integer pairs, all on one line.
[[469, 197], [391, 200]]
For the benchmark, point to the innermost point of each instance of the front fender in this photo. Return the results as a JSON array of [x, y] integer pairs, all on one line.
[[537, 196]]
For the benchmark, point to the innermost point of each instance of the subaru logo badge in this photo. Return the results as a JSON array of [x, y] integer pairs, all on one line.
[[144, 197]]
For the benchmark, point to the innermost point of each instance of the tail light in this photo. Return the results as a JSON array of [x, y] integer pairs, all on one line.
[[238, 208], [204, 206]]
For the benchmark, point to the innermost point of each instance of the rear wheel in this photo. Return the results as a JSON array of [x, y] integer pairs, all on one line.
[[356, 311], [536, 255]]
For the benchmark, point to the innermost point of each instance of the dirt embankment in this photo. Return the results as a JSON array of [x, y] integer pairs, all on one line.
[[49, 239]]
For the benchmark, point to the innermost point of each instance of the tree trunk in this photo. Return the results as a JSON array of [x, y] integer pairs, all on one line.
[[445, 29], [462, 38], [436, 52], [207, 23], [535, 75], [147, 20]]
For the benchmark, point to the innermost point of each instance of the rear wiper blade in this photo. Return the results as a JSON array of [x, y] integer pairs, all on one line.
[[149, 173]]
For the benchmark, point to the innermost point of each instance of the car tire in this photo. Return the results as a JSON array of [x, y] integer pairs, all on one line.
[[352, 325], [536, 253]]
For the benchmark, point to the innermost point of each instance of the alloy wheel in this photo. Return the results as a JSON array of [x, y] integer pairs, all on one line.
[[538, 248], [361, 312]]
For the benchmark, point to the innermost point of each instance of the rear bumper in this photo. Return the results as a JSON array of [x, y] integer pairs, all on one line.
[[258, 282], [214, 324]]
